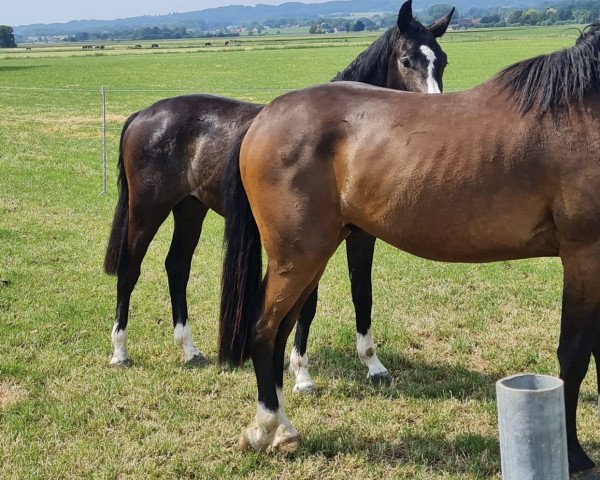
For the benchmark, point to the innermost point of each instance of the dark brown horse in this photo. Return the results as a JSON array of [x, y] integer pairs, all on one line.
[[507, 170], [171, 159]]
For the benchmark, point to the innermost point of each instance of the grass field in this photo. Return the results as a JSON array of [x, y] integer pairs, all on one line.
[[445, 332]]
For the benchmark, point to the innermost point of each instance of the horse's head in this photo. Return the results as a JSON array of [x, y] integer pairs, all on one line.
[[418, 62]]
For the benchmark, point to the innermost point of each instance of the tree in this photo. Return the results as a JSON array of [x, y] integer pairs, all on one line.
[[564, 14], [530, 17], [369, 25], [516, 17], [81, 37], [7, 37], [439, 10], [594, 14], [490, 19], [358, 26]]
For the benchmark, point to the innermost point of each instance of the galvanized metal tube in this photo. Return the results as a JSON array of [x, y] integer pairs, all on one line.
[[531, 419]]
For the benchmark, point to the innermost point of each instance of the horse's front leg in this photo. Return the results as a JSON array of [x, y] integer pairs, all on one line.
[[299, 357], [360, 248], [580, 323]]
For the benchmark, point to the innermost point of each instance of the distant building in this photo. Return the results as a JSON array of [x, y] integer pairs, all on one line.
[[464, 23]]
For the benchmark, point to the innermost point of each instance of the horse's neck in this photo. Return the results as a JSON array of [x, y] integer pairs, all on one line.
[[375, 75], [370, 67]]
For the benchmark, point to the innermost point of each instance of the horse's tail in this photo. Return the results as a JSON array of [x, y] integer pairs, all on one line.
[[116, 253], [241, 295]]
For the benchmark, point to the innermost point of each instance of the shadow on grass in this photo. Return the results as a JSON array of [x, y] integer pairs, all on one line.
[[464, 454], [412, 376]]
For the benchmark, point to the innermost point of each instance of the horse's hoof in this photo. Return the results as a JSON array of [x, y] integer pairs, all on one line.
[[304, 388], [255, 439], [196, 361], [120, 363], [287, 446], [244, 443], [286, 439], [591, 474], [381, 379]]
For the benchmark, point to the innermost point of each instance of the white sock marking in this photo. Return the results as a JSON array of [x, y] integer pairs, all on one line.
[[432, 85], [270, 429], [267, 419], [119, 340], [279, 397], [183, 339], [299, 367], [366, 351]]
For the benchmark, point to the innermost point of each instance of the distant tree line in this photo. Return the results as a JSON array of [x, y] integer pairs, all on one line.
[[343, 25], [558, 12], [144, 33], [562, 13], [552, 13]]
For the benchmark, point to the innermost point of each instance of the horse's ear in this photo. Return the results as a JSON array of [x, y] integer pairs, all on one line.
[[439, 27], [405, 16]]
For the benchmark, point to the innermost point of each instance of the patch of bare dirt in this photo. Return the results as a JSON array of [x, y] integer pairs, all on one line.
[[10, 392]]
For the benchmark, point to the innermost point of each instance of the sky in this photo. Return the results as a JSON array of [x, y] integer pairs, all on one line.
[[50, 11]]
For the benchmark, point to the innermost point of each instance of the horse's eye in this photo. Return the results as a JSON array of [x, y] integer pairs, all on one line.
[[406, 63]]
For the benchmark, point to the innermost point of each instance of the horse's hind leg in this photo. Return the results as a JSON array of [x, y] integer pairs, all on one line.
[[188, 216], [143, 223], [286, 439], [360, 248], [282, 290], [299, 357], [580, 324], [287, 284]]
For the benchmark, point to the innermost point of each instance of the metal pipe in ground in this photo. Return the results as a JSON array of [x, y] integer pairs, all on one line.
[[531, 419]]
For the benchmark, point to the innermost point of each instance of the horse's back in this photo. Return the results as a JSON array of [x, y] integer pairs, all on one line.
[[177, 146], [456, 177]]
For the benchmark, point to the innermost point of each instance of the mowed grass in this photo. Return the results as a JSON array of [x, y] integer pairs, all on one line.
[[446, 332]]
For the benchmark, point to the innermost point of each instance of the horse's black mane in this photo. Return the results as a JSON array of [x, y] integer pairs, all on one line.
[[550, 81], [371, 66]]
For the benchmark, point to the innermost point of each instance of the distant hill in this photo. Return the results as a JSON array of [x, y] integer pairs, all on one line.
[[214, 18]]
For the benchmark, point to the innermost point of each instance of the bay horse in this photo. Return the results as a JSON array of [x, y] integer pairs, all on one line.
[[507, 170], [172, 156]]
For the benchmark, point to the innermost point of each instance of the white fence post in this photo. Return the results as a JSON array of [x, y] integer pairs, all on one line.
[[103, 95]]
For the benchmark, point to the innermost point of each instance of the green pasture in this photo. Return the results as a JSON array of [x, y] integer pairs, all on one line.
[[446, 332], [290, 38]]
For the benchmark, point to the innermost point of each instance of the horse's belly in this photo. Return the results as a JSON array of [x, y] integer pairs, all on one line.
[[467, 234], [459, 248]]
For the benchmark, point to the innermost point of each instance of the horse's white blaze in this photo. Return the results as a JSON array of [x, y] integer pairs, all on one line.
[[119, 340], [299, 367], [432, 84], [183, 338], [366, 351]]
